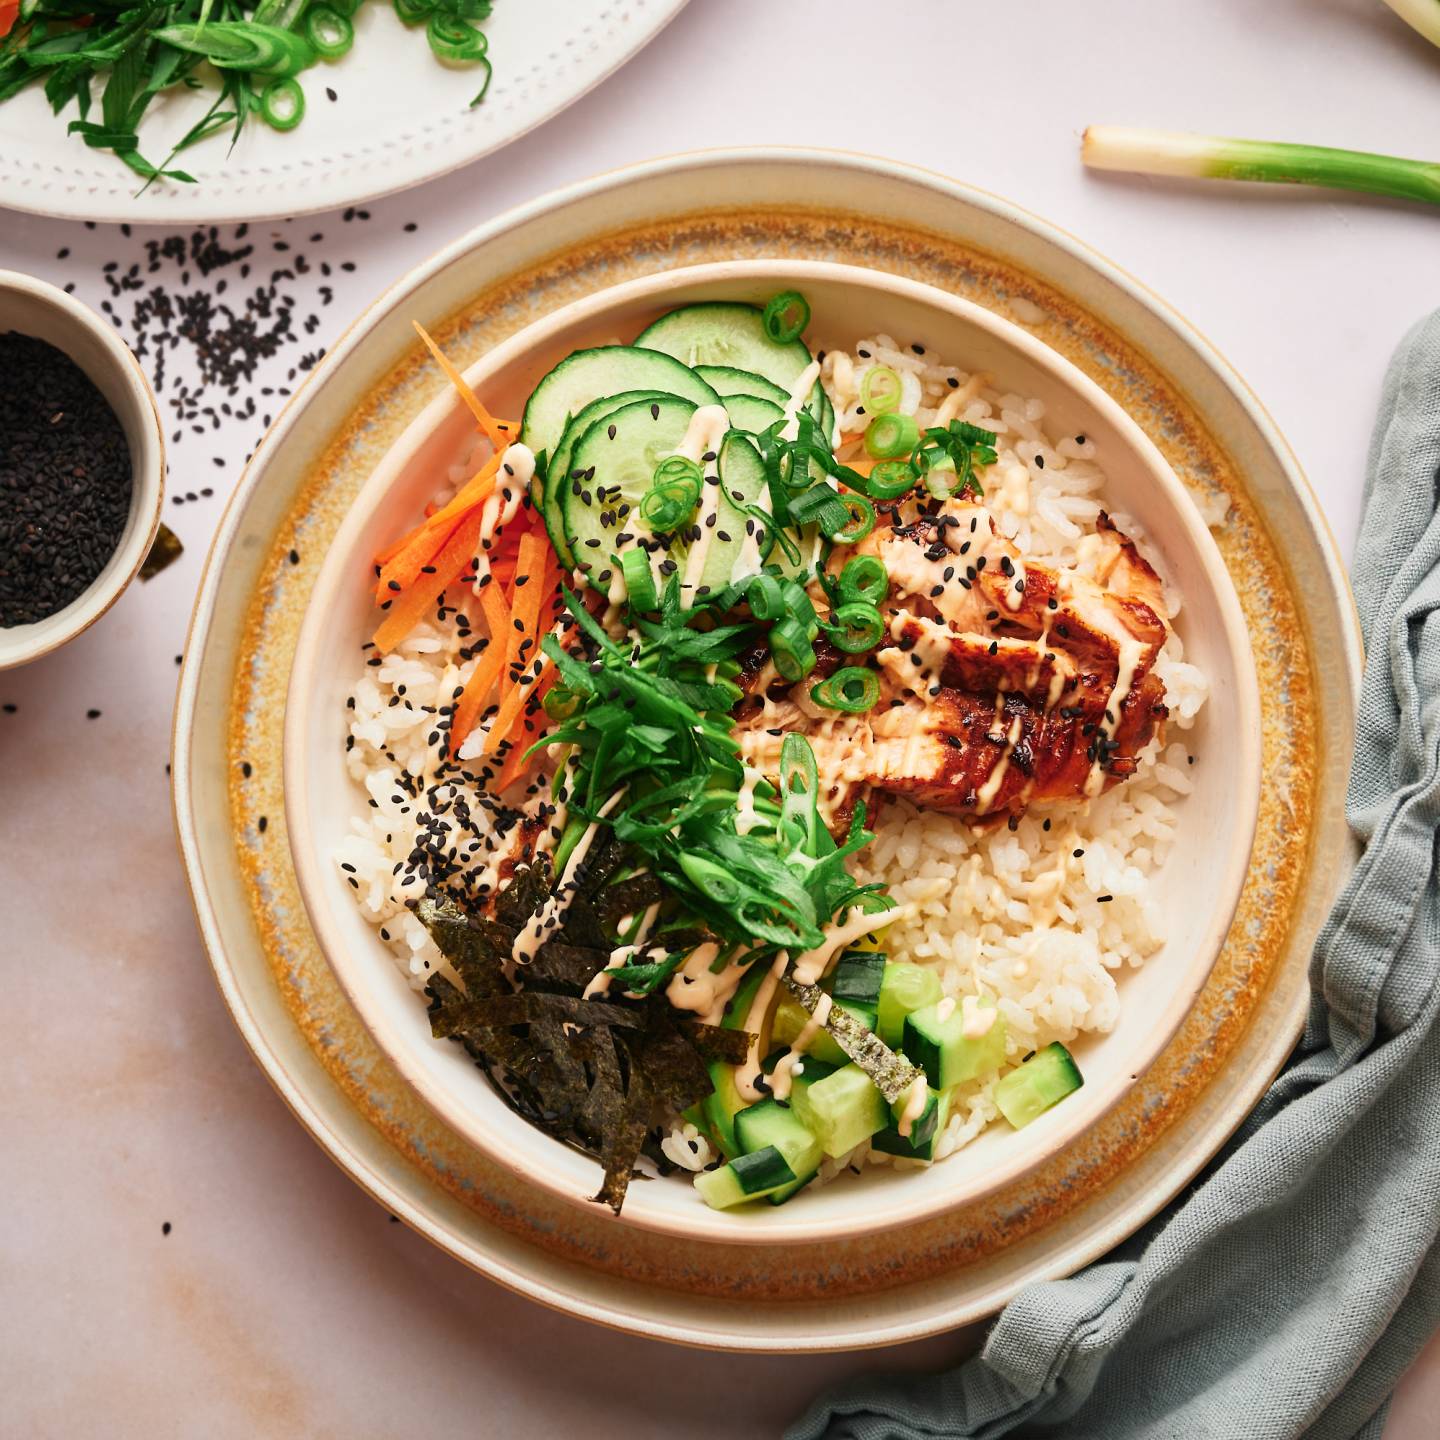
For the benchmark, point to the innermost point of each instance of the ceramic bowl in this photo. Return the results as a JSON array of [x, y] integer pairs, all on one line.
[[34, 308], [1197, 889]]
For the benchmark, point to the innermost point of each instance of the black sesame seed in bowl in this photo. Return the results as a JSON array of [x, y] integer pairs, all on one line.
[[81, 468]]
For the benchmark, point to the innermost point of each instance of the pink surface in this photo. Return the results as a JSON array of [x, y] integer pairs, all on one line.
[[282, 1301]]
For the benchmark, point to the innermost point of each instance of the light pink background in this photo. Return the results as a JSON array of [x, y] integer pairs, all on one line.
[[283, 1302]]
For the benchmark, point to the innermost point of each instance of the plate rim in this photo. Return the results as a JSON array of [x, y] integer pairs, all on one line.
[[1096, 1239], [69, 198]]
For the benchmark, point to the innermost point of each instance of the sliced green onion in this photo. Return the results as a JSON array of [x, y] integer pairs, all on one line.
[[282, 104], [860, 522], [797, 603], [880, 390], [889, 480], [864, 578], [330, 32], [853, 690], [673, 495], [791, 650], [455, 40], [856, 627], [888, 437], [799, 793], [639, 580], [347, 8], [765, 598], [1160, 152], [415, 12], [938, 472], [242, 45], [560, 702], [786, 317]]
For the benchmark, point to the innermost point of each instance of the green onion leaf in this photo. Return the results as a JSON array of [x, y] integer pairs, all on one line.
[[673, 494], [765, 598], [455, 40], [330, 32], [639, 581]]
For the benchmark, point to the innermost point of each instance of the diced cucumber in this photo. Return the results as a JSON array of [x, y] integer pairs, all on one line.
[[791, 1017], [746, 1177], [803, 1075], [770, 1123], [937, 1042], [1031, 1089], [842, 1109], [750, 414], [718, 1109], [728, 381], [588, 375], [920, 1143], [858, 975], [903, 988], [557, 472]]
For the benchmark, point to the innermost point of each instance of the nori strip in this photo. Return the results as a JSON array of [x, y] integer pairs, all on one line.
[[892, 1074], [597, 1074], [716, 1043], [629, 897], [526, 1008]]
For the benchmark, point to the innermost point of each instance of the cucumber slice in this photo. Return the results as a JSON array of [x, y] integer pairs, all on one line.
[[613, 466], [920, 1143], [728, 333], [557, 471], [1031, 1089], [935, 1039], [903, 989], [750, 413], [728, 381], [859, 975], [841, 1110], [746, 1177], [587, 375]]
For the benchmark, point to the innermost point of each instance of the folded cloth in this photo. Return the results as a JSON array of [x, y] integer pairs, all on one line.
[[1288, 1292]]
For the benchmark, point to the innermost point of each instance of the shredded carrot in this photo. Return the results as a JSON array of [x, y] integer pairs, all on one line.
[[410, 608], [475, 490], [501, 432], [400, 572], [482, 679], [850, 437], [535, 567]]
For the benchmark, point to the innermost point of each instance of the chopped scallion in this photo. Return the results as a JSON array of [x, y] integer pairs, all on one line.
[[786, 316], [855, 627], [282, 104], [880, 390], [890, 436], [853, 690], [864, 578]]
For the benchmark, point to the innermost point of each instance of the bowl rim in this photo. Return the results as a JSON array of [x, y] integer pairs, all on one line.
[[148, 477], [704, 1224]]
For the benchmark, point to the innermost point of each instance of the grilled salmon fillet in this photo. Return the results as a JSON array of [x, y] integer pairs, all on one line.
[[1004, 685]]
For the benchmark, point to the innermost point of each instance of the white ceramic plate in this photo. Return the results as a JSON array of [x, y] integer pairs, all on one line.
[[1197, 889], [399, 118]]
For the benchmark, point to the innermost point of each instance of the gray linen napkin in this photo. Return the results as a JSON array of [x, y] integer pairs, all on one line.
[[1287, 1293]]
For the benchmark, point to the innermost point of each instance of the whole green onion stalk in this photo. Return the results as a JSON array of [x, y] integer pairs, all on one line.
[[1161, 152], [1423, 15]]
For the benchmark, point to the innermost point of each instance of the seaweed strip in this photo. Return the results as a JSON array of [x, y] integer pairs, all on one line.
[[892, 1074], [527, 1008], [716, 1043], [629, 897]]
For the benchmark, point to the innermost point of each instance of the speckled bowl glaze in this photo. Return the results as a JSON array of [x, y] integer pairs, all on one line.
[[780, 204], [1198, 888], [46, 312]]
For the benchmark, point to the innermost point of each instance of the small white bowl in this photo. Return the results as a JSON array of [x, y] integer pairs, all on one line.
[[1198, 888], [46, 313]]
